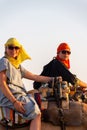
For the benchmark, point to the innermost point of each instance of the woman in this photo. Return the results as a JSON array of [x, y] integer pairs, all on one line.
[[60, 66], [12, 91]]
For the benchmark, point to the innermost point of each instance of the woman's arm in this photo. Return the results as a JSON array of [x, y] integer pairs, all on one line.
[[38, 78], [81, 83], [6, 91], [4, 87]]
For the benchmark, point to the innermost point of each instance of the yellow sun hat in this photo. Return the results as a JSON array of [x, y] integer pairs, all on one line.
[[22, 53]]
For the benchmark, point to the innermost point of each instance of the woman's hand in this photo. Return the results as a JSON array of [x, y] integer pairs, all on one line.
[[19, 106]]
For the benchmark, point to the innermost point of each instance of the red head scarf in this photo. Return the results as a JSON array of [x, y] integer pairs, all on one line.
[[63, 46]]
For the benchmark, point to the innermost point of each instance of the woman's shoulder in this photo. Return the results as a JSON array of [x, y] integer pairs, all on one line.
[[53, 61], [3, 63], [3, 60], [50, 64]]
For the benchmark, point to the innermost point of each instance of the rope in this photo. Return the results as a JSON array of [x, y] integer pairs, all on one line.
[[62, 123], [58, 96]]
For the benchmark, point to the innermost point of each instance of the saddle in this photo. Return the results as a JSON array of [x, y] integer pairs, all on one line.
[[58, 107]]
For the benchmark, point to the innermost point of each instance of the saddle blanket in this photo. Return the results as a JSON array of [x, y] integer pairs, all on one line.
[[11, 117]]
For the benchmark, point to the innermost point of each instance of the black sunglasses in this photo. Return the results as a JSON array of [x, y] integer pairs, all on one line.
[[64, 52], [13, 47]]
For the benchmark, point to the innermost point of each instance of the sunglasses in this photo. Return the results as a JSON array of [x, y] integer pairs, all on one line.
[[66, 52], [13, 47]]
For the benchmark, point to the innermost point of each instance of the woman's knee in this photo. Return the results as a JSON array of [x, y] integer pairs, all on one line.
[[39, 115]]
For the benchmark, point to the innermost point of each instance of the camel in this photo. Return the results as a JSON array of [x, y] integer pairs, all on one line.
[[47, 126], [74, 116], [72, 121]]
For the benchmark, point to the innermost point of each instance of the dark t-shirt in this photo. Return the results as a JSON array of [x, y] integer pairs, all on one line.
[[54, 69]]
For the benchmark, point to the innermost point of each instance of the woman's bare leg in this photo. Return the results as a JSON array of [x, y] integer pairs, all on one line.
[[36, 123]]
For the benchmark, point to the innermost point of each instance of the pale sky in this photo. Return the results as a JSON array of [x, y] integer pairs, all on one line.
[[41, 25]]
